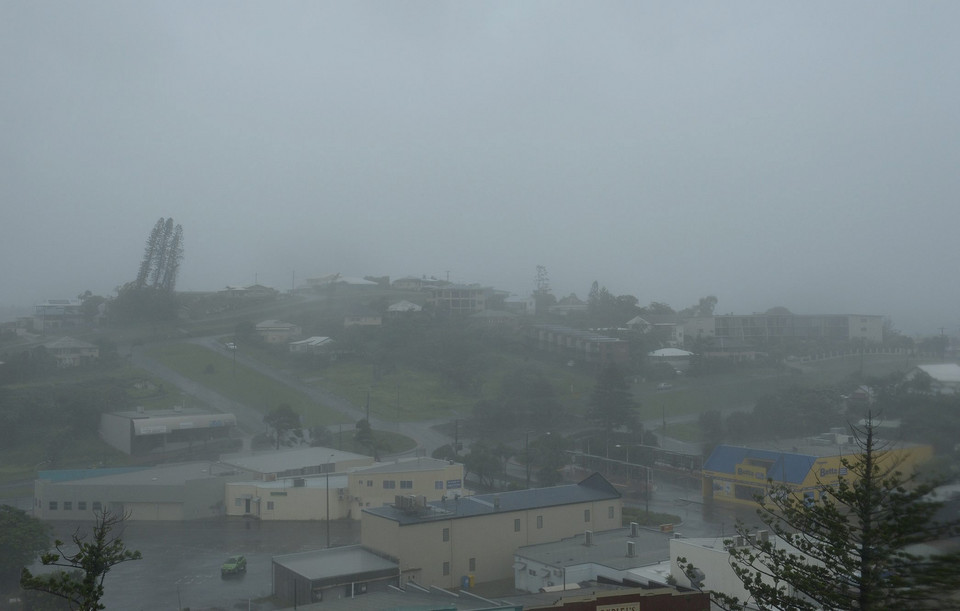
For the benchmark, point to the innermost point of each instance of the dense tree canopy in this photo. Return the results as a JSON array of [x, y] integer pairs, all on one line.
[[611, 403], [527, 398], [150, 296], [22, 538], [282, 420]]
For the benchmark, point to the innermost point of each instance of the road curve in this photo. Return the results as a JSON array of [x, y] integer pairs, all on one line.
[[250, 420]]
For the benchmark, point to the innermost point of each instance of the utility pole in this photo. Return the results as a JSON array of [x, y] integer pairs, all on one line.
[[526, 455], [456, 436], [329, 468]]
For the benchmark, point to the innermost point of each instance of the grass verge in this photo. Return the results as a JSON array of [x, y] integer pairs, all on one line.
[[241, 384]]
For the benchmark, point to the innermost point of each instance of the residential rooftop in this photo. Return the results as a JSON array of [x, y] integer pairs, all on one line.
[[286, 460], [608, 548], [594, 488], [402, 465]]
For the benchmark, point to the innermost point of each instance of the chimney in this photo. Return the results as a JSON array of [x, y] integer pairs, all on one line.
[[631, 549], [588, 538], [634, 530]]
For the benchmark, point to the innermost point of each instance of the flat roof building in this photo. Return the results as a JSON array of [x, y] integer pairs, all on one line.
[[610, 555], [303, 496], [439, 543], [332, 574], [185, 491], [140, 432], [738, 475]]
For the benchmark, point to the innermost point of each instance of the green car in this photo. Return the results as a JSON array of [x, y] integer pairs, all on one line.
[[235, 565]]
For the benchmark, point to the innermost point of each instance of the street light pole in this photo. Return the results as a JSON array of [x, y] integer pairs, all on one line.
[[329, 468], [526, 454]]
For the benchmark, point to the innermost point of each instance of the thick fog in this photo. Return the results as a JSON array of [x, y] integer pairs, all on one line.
[[794, 154]]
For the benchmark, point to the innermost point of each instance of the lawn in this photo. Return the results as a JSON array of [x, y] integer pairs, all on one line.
[[404, 395], [409, 394], [242, 384]]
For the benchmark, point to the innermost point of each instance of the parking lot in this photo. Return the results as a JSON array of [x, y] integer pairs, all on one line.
[[181, 561]]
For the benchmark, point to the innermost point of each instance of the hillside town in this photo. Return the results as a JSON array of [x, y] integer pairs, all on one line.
[[566, 519]]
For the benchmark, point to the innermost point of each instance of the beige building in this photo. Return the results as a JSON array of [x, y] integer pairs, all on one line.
[[186, 491], [70, 352], [773, 327], [296, 497], [278, 332], [440, 543], [459, 298]]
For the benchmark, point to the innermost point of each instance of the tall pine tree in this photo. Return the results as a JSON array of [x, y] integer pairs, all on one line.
[[855, 548], [612, 404]]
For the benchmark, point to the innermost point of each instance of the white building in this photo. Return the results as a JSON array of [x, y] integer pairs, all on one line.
[[341, 488], [711, 556], [945, 377], [631, 555]]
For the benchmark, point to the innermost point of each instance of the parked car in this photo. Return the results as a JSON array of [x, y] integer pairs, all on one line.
[[664, 386], [230, 346], [235, 565]]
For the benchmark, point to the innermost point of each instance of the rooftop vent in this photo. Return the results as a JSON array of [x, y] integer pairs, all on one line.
[[631, 549], [588, 538], [634, 529]]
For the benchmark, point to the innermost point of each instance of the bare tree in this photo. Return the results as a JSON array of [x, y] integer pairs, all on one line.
[[81, 581]]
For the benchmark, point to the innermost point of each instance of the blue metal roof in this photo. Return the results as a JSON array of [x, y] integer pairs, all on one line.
[[786, 467], [66, 475]]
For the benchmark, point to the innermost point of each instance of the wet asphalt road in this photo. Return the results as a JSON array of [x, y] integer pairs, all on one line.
[[181, 561]]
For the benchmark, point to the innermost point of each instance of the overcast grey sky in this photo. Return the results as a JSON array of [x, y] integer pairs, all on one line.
[[794, 154]]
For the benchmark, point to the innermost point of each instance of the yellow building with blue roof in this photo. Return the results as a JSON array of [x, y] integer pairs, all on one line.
[[738, 475]]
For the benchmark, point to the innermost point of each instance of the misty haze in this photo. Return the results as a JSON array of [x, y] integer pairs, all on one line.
[[309, 302]]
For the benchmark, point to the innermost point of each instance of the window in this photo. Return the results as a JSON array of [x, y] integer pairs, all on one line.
[[539, 521], [369, 483], [516, 525], [68, 505], [406, 483], [438, 485], [97, 506], [473, 565], [53, 505], [446, 568], [586, 515], [610, 512], [82, 505], [446, 534], [238, 502], [269, 505], [389, 483]]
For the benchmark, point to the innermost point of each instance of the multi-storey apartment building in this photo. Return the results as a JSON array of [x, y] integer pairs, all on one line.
[[766, 327]]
